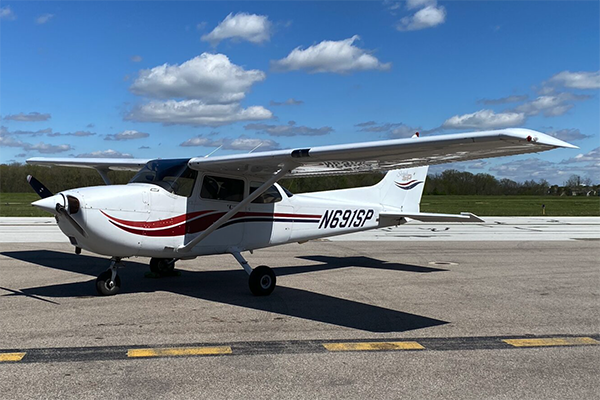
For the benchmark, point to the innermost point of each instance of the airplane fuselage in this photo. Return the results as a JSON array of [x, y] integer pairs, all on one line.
[[147, 220]]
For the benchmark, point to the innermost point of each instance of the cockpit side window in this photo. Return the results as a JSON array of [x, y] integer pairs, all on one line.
[[220, 188], [271, 195], [172, 175]]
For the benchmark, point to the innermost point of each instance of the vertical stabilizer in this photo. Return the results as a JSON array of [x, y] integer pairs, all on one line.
[[401, 189]]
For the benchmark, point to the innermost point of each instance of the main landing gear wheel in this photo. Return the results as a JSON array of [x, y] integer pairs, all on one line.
[[106, 286], [162, 266], [262, 281]]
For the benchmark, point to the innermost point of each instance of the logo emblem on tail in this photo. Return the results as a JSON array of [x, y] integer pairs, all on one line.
[[408, 185]]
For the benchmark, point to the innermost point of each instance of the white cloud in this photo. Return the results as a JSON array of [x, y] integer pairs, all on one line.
[[392, 6], [127, 135], [577, 80], [568, 135], [530, 169], [31, 117], [393, 130], [403, 131], [593, 156], [427, 17], [76, 134], [200, 141], [46, 148], [136, 58], [251, 27], [330, 56], [291, 129], [208, 77], [195, 112], [412, 4], [485, 119], [7, 140], [504, 100], [7, 13], [288, 102], [550, 105], [44, 18], [39, 132], [241, 143], [105, 154]]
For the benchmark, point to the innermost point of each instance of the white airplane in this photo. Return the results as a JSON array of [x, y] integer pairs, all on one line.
[[175, 209]]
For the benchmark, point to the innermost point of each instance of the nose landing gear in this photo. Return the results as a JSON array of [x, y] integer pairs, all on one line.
[[108, 283], [163, 266]]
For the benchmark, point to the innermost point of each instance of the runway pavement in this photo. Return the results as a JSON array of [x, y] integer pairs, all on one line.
[[468, 317], [28, 230]]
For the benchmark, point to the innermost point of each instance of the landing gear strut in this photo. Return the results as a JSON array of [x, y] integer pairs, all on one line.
[[108, 283], [262, 278]]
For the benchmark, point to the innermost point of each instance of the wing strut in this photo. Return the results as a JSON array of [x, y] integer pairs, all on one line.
[[104, 174], [218, 223]]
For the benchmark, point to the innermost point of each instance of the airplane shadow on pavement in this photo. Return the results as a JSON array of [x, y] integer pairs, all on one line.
[[231, 287]]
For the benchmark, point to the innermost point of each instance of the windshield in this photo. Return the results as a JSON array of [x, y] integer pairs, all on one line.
[[171, 175]]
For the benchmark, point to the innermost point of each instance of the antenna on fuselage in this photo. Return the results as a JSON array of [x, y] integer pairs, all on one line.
[[260, 144], [213, 152]]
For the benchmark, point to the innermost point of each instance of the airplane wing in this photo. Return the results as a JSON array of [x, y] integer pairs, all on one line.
[[382, 155], [114, 164]]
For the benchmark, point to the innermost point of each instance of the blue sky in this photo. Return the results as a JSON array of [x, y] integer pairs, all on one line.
[[177, 79]]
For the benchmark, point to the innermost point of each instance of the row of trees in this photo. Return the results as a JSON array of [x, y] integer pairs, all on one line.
[[450, 182], [13, 177], [454, 182]]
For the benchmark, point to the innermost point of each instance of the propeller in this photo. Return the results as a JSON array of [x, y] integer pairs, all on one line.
[[63, 212], [39, 187], [55, 204]]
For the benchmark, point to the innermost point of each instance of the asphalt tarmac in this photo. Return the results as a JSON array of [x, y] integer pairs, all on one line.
[[349, 319]]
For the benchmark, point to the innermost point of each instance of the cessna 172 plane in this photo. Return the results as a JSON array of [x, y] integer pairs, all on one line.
[[175, 209]]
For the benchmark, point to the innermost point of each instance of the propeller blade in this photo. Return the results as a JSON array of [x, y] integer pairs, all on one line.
[[39, 187], [63, 212]]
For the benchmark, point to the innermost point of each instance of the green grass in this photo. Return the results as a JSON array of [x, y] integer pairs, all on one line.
[[513, 205], [19, 205]]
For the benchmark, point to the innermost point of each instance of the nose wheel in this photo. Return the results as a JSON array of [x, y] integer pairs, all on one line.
[[163, 267], [108, 283]]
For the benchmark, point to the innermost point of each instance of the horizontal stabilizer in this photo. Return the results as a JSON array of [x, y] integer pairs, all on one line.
[[387, 219]]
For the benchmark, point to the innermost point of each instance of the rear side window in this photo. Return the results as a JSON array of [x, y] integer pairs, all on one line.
[[219, 188], [271, 195]]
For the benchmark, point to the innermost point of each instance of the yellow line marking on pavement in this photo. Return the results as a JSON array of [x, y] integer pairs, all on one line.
[[179, 351], [540, 342], [11, 356], [370, 346]]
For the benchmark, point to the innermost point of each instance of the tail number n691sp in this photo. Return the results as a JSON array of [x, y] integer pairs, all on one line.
[[345, 218]]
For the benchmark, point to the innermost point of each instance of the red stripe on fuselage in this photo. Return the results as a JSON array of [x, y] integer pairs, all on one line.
[[193, 224], [161, 223]]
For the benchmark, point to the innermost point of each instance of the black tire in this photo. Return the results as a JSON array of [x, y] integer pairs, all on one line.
[[262, 281], [105, 286], [162, 266]]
